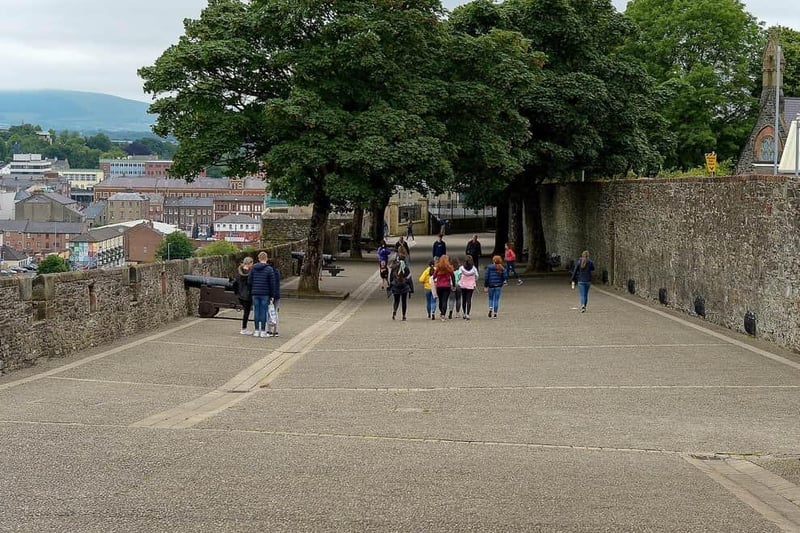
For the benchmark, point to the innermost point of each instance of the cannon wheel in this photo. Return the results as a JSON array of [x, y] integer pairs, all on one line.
[[206, 310]]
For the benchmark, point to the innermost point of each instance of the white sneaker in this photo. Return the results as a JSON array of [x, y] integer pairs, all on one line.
[[245, 332], [264, 334]]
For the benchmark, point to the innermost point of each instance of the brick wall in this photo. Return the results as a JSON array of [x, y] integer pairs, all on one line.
[[733, 241]]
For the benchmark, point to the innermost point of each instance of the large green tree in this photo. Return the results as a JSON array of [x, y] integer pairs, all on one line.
[[706, 55], [176, 245], [590, 111], [328, 97]]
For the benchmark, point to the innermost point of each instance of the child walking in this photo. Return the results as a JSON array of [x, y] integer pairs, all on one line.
[[511, 262], [467, 281], [444, 280], [455, 294], [493, 281], [426, 278]]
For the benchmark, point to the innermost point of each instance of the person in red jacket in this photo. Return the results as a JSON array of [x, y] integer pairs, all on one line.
[[511, 261]]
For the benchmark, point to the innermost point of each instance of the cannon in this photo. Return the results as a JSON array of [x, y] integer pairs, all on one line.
[[327, 262], [214, 293]]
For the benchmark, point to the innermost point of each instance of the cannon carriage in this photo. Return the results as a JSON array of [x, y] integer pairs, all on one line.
[[215, 293]]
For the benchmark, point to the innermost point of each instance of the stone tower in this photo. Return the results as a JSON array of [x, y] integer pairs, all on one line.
[[761, 146]]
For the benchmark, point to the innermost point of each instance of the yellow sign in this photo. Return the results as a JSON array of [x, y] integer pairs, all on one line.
[[711, 162]]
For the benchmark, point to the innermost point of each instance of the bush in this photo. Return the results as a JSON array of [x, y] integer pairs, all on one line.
[[52, 264]]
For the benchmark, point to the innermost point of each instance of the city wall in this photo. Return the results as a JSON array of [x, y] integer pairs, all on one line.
[[731, 244], [55, 315]]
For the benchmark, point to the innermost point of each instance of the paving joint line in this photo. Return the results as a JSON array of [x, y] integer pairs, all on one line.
[[717, 335]]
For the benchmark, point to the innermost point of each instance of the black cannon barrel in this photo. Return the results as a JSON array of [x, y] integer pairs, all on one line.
[[326, 258], [206, 281]]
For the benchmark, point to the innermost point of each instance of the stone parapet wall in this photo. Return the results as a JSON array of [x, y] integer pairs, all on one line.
[[732, 241], [55, 315]]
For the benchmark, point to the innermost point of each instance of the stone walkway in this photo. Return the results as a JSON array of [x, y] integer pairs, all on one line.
[[626, 418]]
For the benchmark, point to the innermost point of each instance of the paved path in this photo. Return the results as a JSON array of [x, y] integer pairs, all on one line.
[[625, 418]]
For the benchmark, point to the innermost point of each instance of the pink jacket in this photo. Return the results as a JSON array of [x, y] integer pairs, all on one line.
[[468, 278], [510, 255]]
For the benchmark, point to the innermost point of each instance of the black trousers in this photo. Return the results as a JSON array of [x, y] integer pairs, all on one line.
[[466, 300], [400, 299], [444, 297], [247, 305]]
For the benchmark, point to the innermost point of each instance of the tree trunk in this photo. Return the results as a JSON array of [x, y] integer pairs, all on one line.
[[358, 223], [537, 247], [501, 233], [376, 222], [515, 235], [312, 262]]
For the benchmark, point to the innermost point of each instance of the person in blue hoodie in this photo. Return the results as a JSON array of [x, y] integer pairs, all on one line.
[[439, 248], [262, 290], [582, 275]]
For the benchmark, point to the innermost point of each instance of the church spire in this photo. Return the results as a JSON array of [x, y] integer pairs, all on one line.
[[770, 62]]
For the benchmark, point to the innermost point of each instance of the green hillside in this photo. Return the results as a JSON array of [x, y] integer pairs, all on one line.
[[73, 110]]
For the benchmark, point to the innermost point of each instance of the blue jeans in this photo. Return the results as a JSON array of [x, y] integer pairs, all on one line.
[[583, 292], [494, 298], [511, 269], [430, 302], [260, 304]]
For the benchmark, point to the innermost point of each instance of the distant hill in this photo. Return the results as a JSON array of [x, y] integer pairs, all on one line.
[[73, 110]]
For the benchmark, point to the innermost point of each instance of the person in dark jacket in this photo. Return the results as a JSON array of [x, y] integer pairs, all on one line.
[[493, 281], [582, 275], [243, 292], [400, 289], [474, 250], [262, 289], [439, 248]]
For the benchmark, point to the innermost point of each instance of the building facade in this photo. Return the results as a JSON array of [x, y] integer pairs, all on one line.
[[82, 179], [98, 248], [194, 216], [47, 207], [124, 206], [238, 228], [40, 238], [238, 205], [176, 188], [141, 243]]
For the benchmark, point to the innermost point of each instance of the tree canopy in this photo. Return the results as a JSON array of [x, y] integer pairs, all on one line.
[[176, 245], [53, 264], [706, 56], [336, 100]]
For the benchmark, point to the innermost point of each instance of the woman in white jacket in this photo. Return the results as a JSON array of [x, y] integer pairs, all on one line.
[[467, 280]]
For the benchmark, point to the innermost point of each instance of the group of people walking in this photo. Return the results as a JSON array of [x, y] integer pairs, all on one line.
[[258, 287], [449, 286]]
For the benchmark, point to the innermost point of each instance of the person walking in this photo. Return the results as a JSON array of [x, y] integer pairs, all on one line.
[[439, 247], [582, 275], [401, 247], [262, 289], [511, 262], [474, 250], [410, 229], [444, 280], [467, 281], [426, 278], [400, 288], [493, 280], [383, 263], [455, 294], [243, 292]]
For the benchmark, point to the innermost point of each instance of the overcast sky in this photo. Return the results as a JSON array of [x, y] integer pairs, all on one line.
[[97, 45]]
